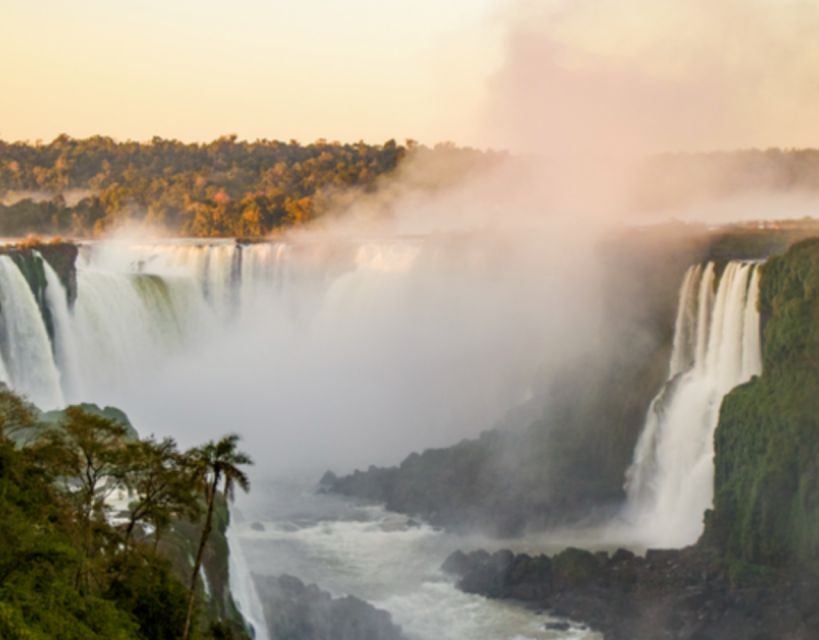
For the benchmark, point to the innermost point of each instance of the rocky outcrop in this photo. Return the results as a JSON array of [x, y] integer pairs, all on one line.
[[62, 256], [689, 594], [295, 611]]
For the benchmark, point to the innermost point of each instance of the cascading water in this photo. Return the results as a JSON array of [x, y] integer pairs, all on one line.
[[65, 345], [129, 323], [214, 267], [26, 348], [716, 347]]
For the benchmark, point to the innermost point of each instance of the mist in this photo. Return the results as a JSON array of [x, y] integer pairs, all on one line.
[[381, 334], [594, 77]]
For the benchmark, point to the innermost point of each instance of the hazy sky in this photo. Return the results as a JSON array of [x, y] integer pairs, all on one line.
[[195, 69], [568, 75]]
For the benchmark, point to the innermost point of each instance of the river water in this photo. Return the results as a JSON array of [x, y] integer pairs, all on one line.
[[349, 548]]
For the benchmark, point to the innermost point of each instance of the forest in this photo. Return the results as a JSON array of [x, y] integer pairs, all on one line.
[[83, 188], [224, 188]]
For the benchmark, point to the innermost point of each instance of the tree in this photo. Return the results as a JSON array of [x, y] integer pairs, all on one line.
[[159, 478], [86, 452], [215, 463], [17, 417]]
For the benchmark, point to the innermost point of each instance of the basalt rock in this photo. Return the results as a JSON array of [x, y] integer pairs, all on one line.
[[295, 611], [690, 594], [62, 256]]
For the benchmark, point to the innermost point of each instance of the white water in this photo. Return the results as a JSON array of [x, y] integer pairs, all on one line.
[[29, 362], [369, 553], [243, 588], [126, 325], [716, 347], [66, 354]]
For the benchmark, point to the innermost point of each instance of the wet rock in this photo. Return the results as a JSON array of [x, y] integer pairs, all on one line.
[[687, 594], [295, 611]]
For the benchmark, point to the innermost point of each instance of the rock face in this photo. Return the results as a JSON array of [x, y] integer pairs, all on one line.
[[689, 594], [62, 256], [295, 611]]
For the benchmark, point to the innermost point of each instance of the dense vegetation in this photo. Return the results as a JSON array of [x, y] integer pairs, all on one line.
[[71, 566], [766, 508], [226, 187]]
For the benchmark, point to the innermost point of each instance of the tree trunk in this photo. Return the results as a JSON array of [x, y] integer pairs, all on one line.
[[197, 565]]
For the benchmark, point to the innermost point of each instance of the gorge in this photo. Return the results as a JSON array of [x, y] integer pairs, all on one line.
[[166, 307]]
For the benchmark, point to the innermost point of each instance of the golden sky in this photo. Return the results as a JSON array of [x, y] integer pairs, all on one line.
[[570, 75], [195, 69]]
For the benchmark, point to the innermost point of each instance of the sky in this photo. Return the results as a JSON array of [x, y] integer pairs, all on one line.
[[196, 69], [576, 76]]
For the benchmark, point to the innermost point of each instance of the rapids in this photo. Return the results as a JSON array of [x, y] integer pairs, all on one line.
[[380, 557]]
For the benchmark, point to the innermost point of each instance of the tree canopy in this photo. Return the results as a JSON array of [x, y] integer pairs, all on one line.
[[74, 565], [227, 187]]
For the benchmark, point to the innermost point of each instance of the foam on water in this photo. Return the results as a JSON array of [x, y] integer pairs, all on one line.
[[382, 558]]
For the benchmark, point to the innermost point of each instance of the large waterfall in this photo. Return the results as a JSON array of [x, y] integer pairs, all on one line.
[[182, 333], [716, 347]]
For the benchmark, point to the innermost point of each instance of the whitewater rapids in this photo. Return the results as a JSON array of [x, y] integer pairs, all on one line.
[[380, 557]]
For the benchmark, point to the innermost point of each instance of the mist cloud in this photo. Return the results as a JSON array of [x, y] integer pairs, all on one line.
[[612, 77]]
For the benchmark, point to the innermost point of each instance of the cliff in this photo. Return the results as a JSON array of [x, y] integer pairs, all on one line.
[[61, 256], [766, 505]]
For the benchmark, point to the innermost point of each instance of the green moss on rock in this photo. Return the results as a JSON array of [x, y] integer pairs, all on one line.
[[766, 504]]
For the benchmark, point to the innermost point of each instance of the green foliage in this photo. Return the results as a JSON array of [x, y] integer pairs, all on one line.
[[575, 566], [213, 464], [67, 570], [766, 507], [147, 589]]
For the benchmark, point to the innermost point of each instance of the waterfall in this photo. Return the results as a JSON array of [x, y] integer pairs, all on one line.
[[126, 324], [214, 267], [65, 344], [242, 586], [28, 361], [716, 347]]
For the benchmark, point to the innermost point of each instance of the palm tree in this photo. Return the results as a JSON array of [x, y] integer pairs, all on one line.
[[214, 463]]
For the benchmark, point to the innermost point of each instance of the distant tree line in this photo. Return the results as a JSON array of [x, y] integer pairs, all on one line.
[[228, 187]]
